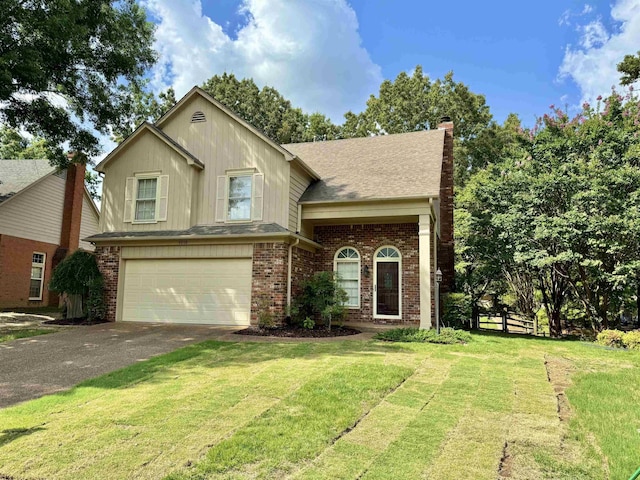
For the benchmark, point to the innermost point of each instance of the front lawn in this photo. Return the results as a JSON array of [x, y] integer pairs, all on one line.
[[9, 334], [497, 407]]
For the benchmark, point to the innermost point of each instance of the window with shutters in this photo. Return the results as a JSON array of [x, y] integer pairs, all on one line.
[[239, 197], [146, 198]]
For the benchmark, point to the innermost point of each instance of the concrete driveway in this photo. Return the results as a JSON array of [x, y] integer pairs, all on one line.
[[36, 366]]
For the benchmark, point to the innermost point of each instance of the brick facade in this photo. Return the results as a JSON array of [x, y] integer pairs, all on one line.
[[366, 239], [269, 279], [15, 266], [270, 269], [108, 259]]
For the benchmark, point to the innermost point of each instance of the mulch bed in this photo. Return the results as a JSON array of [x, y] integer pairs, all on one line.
[[73, 321], [298, 332]]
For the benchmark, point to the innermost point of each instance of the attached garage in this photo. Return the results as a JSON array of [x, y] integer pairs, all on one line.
[[214, 291]]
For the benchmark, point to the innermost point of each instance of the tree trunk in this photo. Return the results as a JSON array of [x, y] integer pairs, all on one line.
[[74, 306]]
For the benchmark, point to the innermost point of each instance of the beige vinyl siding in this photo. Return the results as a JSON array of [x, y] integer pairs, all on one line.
[[36, 213], [148, 154], [223, 144], [89, 224], [364, 210], [299, 183], [187, 251]]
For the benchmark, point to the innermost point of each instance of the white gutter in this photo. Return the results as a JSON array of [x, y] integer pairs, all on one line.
[[289, 274]]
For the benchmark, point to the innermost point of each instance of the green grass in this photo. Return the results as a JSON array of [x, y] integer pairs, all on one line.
[[343, 410], [9, 334]]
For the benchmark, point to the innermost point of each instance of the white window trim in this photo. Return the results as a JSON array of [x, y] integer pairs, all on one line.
[[247, 172], [146, 176], [42, 265], [398, 260], [349, 260]]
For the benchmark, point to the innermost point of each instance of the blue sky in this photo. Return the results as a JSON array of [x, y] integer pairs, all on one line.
[[329, 55]]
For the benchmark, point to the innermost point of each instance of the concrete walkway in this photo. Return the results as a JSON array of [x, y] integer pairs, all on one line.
[[36, 366]]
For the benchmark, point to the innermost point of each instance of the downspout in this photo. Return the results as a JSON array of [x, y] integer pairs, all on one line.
[[289, 274]]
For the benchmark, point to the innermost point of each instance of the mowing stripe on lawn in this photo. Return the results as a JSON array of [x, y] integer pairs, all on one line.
[[174, 415], [302, 425]]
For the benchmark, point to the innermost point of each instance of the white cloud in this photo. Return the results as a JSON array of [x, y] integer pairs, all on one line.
[[592, 64], [594, 34], [309, 50], [587, 9]]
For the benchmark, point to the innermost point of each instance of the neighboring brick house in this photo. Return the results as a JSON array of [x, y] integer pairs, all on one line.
[[204, 217], [43, 215]]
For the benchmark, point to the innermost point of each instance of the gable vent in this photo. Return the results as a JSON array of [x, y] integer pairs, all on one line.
[[198, 117]]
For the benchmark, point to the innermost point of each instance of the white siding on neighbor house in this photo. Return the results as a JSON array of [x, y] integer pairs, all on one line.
[[89, 225], [299, 183], [188, 251], [148, 154], [35, 213], [223, 144]]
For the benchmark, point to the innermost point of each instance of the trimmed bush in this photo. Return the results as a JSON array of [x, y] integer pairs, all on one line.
[[321, 298], [610, 338], [447, 335], [631, 340]]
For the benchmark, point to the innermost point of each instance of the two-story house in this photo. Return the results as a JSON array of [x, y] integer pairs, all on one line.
[[44, 213], [204, 217]]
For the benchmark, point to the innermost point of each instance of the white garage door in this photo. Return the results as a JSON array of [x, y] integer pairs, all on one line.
[[208, 291]]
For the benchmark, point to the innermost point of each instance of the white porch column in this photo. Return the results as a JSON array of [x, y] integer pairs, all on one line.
[[424, 250]]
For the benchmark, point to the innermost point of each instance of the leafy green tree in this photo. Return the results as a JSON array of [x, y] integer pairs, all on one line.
[[629, 67], [566, 202], [64, 59], [77, 275], [269, 111], [14, 146], [142, 106]]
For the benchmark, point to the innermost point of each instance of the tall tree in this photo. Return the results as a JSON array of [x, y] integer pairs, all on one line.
[[567, 203], [14, 146], [62, 59], [142, 106], [629, 67], [269, 111]]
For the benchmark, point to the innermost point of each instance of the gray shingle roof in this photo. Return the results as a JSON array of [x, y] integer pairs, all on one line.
[[16, 175], [386, 166], [198, 230]]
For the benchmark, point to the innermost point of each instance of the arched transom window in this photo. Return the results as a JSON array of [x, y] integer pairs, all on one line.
[[347, 267], [388, 252]]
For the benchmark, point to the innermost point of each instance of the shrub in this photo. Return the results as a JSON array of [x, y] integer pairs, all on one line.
[[610, 338], [631, 340], [456, 310], [265, 315], [308, 323], [96, 308], [322, 298], [446, 336]]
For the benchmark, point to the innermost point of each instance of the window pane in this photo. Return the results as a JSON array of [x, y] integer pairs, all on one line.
[[348, 270], [239, 209], [145, 209], [351, 287], [240, 187], [348, 253], [147, 188], [34, 288], [36, 272], [37, 258]]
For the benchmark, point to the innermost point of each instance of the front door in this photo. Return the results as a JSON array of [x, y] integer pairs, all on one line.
[[387, 289]]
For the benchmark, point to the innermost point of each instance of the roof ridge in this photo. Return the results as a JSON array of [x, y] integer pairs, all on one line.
[[370, 137]]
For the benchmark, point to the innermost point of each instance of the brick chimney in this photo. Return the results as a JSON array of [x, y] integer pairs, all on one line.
[[73, 199], [445, 246]]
